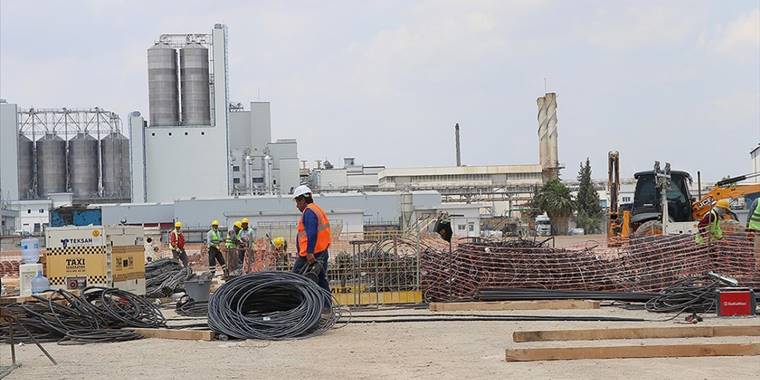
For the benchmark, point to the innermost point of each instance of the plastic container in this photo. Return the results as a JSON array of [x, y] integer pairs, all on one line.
[[40, 283], [30, 251], [27, 272], [197, 289]]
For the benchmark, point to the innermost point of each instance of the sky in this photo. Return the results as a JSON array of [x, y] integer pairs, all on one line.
[[385, 81]]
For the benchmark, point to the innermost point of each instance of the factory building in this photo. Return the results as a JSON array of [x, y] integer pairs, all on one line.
[[351, 211], [755, 154], [351, 176], [193, 132], [79, 156]]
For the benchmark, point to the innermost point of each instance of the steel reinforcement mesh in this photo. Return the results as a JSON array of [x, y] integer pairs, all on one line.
[[642, 264]]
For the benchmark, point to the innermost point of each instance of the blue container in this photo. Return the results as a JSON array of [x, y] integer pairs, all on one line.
[[40, 283], [30, 251]]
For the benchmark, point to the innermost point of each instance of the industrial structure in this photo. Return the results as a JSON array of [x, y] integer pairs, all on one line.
[[548, 150], [193, 129], [755, 154], [350, 212], [351, 176]]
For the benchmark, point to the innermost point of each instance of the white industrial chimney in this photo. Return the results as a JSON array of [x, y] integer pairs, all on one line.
[[547, 135]]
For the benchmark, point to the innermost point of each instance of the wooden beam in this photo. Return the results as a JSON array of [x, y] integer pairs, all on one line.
[[174, 334], [621, 352], [635, 333], [514, 305], [24, 299]]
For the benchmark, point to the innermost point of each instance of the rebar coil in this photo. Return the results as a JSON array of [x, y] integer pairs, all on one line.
[[271, 306]]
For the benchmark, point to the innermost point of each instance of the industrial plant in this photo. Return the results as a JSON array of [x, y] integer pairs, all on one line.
[[187, 234]]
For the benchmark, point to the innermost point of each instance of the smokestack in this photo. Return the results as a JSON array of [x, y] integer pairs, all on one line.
[[459, 152], [547, 135]]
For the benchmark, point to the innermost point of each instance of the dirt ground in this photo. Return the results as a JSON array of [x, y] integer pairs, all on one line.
[[422, 350]]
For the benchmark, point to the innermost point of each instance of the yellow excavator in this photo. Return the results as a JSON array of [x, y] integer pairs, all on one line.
[[657, 188]]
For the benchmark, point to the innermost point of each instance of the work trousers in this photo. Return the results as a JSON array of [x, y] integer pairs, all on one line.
[[215, 255], [757, 249], [241, 256], [179, 253], [301, 263]]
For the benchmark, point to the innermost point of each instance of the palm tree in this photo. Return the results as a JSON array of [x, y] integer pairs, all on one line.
[[555, 199]]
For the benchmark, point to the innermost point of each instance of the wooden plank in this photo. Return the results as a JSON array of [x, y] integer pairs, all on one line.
[[24, 299], [622, 352], [748, 330], [514, 305], [174, 334], [635, 333]]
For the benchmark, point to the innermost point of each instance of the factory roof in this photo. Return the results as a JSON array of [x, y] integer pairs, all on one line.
[[461, 170]]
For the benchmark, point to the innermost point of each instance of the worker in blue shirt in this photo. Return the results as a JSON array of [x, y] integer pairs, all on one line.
[[314, 235]]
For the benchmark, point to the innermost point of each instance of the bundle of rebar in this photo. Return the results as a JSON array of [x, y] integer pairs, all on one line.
[[647, 264], [96, 315], [164, 277], [271, 306]]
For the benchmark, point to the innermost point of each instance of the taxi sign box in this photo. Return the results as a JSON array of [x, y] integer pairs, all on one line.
[[109, 256]]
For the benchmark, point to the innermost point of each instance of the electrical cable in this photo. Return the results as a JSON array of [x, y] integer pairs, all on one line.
[[272, 306], [694, 294], [188, 307], [93, 316]]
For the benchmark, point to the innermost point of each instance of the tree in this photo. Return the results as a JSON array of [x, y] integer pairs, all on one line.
[[589, 212], [555, 199]]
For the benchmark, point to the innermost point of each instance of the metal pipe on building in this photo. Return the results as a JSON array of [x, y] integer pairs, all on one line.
[[459, 152]]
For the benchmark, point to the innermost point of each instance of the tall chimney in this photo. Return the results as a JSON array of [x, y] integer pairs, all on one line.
[[547, 135], [459, 152]]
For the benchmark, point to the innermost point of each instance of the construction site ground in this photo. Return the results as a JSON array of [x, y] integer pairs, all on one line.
[[424, 350]]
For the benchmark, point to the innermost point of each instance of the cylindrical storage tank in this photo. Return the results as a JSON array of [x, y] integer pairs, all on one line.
[[193, 71], [51, 165], [83, 165], [163, 92], [25, 167], [114, 152]]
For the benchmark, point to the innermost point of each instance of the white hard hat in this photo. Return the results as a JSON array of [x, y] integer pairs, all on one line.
[[301, 190]]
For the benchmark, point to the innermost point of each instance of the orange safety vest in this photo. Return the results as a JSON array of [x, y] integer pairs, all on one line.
[[323, 232]]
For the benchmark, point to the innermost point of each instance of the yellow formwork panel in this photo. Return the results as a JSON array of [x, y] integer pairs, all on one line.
[[381, 298]]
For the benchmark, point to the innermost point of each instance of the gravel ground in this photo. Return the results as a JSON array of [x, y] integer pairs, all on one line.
[[440, 350]]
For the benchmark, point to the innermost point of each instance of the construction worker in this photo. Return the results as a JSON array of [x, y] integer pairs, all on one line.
[[753, 227], [313, 237], [710, 223], [232, 242], [214, 239], [281, 252], [177, 243], [246, 236]]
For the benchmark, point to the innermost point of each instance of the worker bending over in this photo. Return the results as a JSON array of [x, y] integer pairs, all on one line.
[[214, 239], [247, 235], [710, 223], [313, 237], [177, 243]]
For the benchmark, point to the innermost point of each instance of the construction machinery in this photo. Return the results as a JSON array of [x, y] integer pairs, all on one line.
[[662, 202]]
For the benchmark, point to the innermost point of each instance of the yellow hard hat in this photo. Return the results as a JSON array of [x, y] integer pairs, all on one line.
[[238, 224], [244, 220], [278, 241], [723, 203], [178, 224], [214, 222]]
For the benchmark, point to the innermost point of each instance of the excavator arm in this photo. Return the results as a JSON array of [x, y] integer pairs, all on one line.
[[701, 207]]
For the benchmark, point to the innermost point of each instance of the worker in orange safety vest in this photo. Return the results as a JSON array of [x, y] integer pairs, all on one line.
[[314, 235]]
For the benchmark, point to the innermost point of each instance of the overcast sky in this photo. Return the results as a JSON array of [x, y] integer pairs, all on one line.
[[385, 81]]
